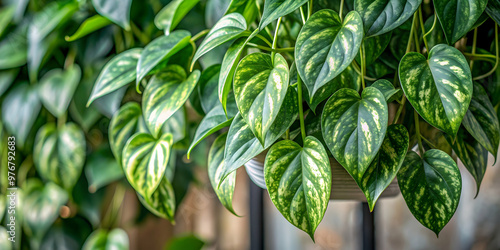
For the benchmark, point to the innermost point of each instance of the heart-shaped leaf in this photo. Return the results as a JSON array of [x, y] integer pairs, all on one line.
[[381, 16], [387, 89], [457, 17], [162, 201], [493, 10], [159, 50], [431, 187], [481, 120], [117, 11], [224, 190], [145, 160], [19, 111], [229, 27], [207, 88], [165, 93], [116, 239], [117, 73], [274, 9], [59, 154], [176, 125], [439, 88], [168, 17], [122, 126], [60, 84], [14, 50], [88, 26], [386, 164], [299, 181], [260, 87], [354, 128], [326, 46]]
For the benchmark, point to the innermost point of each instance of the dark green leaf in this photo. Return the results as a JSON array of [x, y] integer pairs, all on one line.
[[13, 49], [189, 242], [116, 239], [101, 170], [274, 9], [117, 11], [168, 17], [7, 77], [493, 10], [56, 89], [387, 89], [207, 88]]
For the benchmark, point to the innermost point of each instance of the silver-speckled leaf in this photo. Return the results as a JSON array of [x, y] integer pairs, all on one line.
[[381, 16], [225, 189], [160, 50], [387, 89], [229, 27], [116, 239], [299, 181], [165, 93], [122, 126], [118, 72], [168, 17], [326, 46], [457, 17], [162, 202], [481, 120], [56, 89], [354, 128], [274, 9], [386, 164], [260, 86], [145, 160], [59, 154], [431, 187], [439, 88]]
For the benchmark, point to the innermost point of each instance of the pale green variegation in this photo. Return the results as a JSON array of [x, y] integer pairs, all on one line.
[[170, 16], [299, 181], [145, 160], [61, 84], [122, 126], [274, 9], [118, 72], [224, 190], [457, 17], [381, 16], [176, 125], [59, 154], [386, 164], [241, 143], [260, 86], [160, 50], [116, 239], [387, 89], [472, 154], [481, 120], [208, 88], [326, 46], [117, 11], [229, 27], [165, 93], [439, 88], [431, 187], [162, 201], [354, 128]]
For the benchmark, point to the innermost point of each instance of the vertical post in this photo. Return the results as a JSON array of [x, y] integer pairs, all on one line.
[[256, 217], [368, 227]]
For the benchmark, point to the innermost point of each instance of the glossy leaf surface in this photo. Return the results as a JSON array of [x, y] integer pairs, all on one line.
[[168, 17], [274, 9], [61, 84], [118, 11]]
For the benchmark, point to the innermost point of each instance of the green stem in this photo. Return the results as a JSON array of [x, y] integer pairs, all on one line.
[[264, 39], [363, 64], [287, 134], [302, 15], [417, 130], [428, 142], [432, 28], [341, 10], [474, 44], [301, 110], [310, 9], [496, 62], [400, 110], [478, 56], [70, 59], [62, 120], [422, 27], [415, 37], [356, 68], [275, 39], [288, 49], [138, 33], [199, 35], [119, 44], [116, 202], [408, 45]]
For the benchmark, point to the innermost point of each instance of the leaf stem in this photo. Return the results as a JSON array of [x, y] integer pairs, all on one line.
[[62, 120], [341, 10], [363, 64], [422, 27], [138, 33], [474, 44], [400, 109], [417, 133], [302, 15], [415, 37], [310, 9], [273, 47], [301, 110], [288, 49], [432, 28], [428, 142], [356, 68], [199, 35], [496, 62], [477, 56], [408, 45], [264, 39]]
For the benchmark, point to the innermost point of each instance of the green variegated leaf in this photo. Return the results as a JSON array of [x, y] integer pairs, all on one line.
[[457, 17], [493, 10], [4, 238], [165, 93], [116, 239], [381, 16], [117, 11], [260, 87], [59, 154], [88, 26], [431, 187], [387, 89], [19, 111], [248, 8], [145, 160], [326, 46], [207, 88], [61, 84], [176, 125], [225, 189], [386, 164], [160, 50], [439, 88], [242, 145], [354, 128], [7, 77], [299, 181], [117, 73], [472, 154], [162, 201], [168, 17], [215, 120], [274, 9], [229, 27], [481, 120], [122, 126], [14, 50]]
